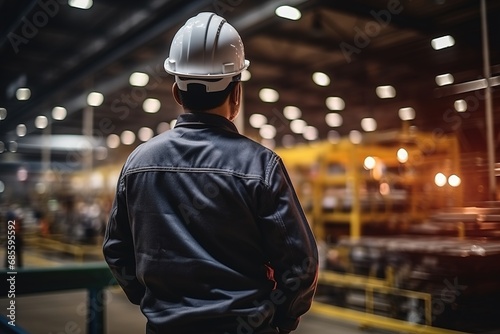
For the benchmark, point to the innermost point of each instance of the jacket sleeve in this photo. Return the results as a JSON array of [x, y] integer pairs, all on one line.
[[291, 248], [118, 248]]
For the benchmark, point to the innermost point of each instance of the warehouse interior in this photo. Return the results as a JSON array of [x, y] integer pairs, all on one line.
[[385, 113]]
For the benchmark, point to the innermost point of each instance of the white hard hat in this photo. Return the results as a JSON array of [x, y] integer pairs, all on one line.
[[205, 49]]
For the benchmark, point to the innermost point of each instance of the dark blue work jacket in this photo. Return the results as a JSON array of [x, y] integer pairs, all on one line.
[[207, 235]]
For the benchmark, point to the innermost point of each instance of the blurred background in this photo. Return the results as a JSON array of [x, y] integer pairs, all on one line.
[[385, 113]]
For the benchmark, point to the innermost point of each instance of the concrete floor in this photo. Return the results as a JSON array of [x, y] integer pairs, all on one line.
[[65, 313]]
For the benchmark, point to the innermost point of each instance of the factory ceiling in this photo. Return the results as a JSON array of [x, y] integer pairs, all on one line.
[[62, 53]]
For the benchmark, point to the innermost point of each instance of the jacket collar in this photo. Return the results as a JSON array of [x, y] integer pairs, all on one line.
[[201, 119]]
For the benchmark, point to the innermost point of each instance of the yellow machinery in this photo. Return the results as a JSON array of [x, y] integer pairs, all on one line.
[[390, 181], [367, 183]]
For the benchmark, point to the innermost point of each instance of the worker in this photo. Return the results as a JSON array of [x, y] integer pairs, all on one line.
[[206, 233]]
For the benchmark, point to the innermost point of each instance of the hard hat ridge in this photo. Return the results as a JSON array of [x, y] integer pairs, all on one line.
[[206, 47]]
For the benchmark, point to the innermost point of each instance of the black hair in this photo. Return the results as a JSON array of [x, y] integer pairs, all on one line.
[[197, 99]]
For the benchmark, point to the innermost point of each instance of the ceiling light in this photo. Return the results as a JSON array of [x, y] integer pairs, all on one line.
[[333, 136], [138, 79], [21, 130], [95, 99], [385, 92], [268, 95], [288, 12], [442, 42], [402, 155], [460, 105], [2, 147], [454, 180], [145, 133], [113, 141], [151, 105], [406, 113], [81, 4], [3, 113], [23, 94], [2, 187], [59, 113], [22, 174], [369, 124], [355, 137], [321, 79], [369, 162], [310, 133], [298, 125], [334, 119], [162, 127], [444, 79], [292, 112], [41, 122], [257, 120], [267, 131], [246, 75], [127, 137], [335, 103], [13, 146], [440, 179]]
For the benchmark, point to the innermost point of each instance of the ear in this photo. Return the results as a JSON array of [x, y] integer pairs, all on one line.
[[175, 93], [234, 101], [235, 96]]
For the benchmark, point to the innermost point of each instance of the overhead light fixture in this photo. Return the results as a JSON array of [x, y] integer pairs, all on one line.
[[321, 79], [267, 131], [292, 112], [257, 120], [21, 130], [440, 179], [442, 42], [41, 122], [81, 4], [138, 79], [145, 133], [335, 103], [298, 126], [444, 79], [454, 180], [406, 113], [127, 137], [113, 141], [402, 155], [355, 137], [334, 119], [268, 95], [369, 124], [151, 105], [3, 113], [59, 113], [310, 133], [385, 92], [246, 75], [95, 99], [23, 94], [162, 127], [288, 12], [460, 105], [369, 162]]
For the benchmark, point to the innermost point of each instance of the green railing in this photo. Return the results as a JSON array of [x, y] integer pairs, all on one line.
[[94, 277]]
